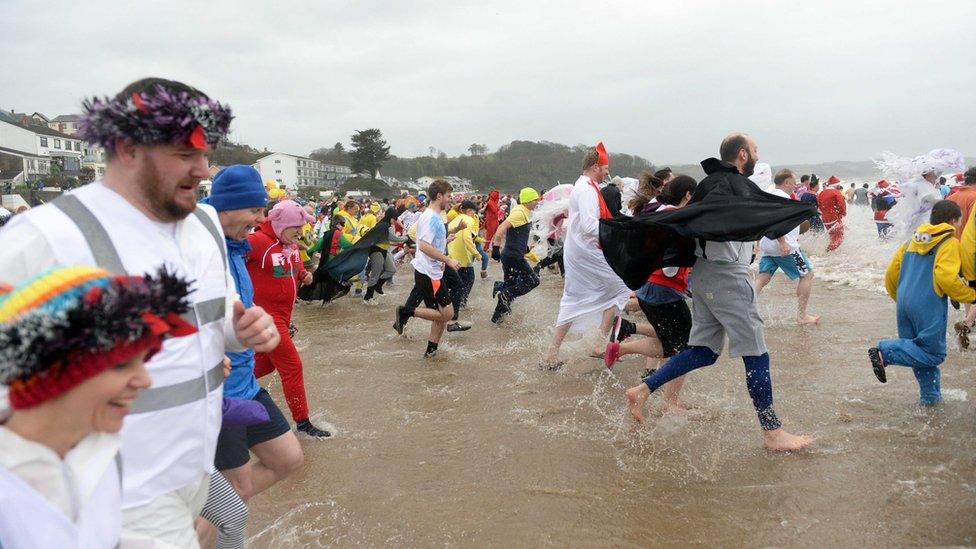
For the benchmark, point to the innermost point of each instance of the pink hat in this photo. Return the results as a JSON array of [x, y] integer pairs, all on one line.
[[288, 213]]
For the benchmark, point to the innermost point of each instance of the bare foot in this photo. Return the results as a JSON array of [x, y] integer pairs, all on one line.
[[636, 397], [808, 319], [673, 408], [781, 441]]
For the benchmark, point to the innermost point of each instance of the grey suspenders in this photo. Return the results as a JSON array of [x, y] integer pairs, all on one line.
[[91, 228], [107, 257]]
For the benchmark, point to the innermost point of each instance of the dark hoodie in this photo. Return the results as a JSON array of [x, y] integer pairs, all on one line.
[[726, 207]]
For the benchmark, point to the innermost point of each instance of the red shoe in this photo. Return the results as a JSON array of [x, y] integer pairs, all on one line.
[[611, 354]]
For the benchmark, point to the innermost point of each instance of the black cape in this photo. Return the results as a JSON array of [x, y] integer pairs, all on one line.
[[331, 278], [725, 207]]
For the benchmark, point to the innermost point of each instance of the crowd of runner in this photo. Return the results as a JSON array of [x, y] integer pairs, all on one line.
[[136, 319]]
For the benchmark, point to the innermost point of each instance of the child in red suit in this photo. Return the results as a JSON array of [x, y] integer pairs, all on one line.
[[276, 271]]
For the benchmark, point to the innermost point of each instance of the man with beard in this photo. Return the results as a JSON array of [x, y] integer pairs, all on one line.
[[141, 216], [593, 294], [724, 303]]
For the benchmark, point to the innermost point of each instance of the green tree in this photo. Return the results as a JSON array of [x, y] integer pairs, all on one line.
[[369, 151], [477, 149], [338, 149]]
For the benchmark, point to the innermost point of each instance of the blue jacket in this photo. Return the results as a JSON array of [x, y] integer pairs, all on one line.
[[241, 382]]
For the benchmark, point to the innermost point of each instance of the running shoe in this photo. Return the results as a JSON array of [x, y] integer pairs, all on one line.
[[292, 330], [497, 288], [306, 428], [878, 364], [501, 311], [401, 319], [611, 354], [962, 333], [458, 327]]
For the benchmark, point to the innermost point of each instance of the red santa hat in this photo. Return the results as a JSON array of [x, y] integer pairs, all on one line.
[[604, 159], [959, 176], [883, 184], [833, 180]]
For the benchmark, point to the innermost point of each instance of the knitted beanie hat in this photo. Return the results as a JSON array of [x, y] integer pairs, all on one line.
[[288, 213], [72, 323], [236, 188]]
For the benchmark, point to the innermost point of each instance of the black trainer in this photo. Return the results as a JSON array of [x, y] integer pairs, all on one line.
[[401, 319], [305, 427], [458, 327], [501, 310], [878, 364]]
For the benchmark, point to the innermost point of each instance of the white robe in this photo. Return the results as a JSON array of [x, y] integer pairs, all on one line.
[[913, 207], [591, 286]]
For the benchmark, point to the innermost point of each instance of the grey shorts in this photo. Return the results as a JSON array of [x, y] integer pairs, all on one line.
[[724, 303]]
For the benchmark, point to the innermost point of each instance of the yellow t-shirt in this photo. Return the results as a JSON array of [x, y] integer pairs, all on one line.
[[367, 222], [351, 228], [462, 248], [520, 216]]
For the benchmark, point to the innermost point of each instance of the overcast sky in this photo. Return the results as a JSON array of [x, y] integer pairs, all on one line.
[[812, 81]]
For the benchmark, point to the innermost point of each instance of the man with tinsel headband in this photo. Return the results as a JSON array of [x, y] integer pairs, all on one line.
[[143, 215], [73, 342]]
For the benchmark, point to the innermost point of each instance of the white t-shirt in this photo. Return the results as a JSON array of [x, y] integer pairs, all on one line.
[[771, 247], [430, 229]]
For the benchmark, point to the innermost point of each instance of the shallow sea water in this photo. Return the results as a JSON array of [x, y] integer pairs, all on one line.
[[479, 447]]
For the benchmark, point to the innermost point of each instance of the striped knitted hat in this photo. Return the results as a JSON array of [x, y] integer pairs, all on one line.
[[72, 323]]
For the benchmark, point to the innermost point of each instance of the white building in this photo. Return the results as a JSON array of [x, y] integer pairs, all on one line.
[[294, 172], [38, 146], [458, 184]]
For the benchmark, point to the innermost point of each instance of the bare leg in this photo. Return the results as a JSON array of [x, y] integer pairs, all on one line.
[[558, 335], [803, 289], [605, 325], [277, 458], [762, 280], [671, 391], [636, 397], [647, 346]]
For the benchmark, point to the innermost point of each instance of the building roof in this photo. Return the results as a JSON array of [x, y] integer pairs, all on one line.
[[44, 130], [20, 153], [66, 118]]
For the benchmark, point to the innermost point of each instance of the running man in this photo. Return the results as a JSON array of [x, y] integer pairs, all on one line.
[[785, 253], [520, 279], [725, 304], [429, 264]]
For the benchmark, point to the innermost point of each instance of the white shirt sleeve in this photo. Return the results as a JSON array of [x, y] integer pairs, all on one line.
[[24, 252]]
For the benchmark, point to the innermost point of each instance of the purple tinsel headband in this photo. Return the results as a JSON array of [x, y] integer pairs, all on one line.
[[162, 116]]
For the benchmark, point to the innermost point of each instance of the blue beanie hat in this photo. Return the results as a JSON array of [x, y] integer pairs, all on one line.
[[236, 188]]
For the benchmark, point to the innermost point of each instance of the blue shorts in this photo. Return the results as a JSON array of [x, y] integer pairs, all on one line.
[[795, 264]]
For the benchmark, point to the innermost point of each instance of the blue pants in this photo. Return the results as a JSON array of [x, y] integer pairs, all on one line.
[[484, 255], [758, 383], [925, 366]]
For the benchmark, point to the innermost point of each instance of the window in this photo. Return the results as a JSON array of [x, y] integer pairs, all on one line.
[[277, 171], [277, 161], [78, 146], [57, 143], [44, 142]]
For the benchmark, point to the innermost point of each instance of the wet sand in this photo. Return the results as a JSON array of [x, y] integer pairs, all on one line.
[[478, 447]]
